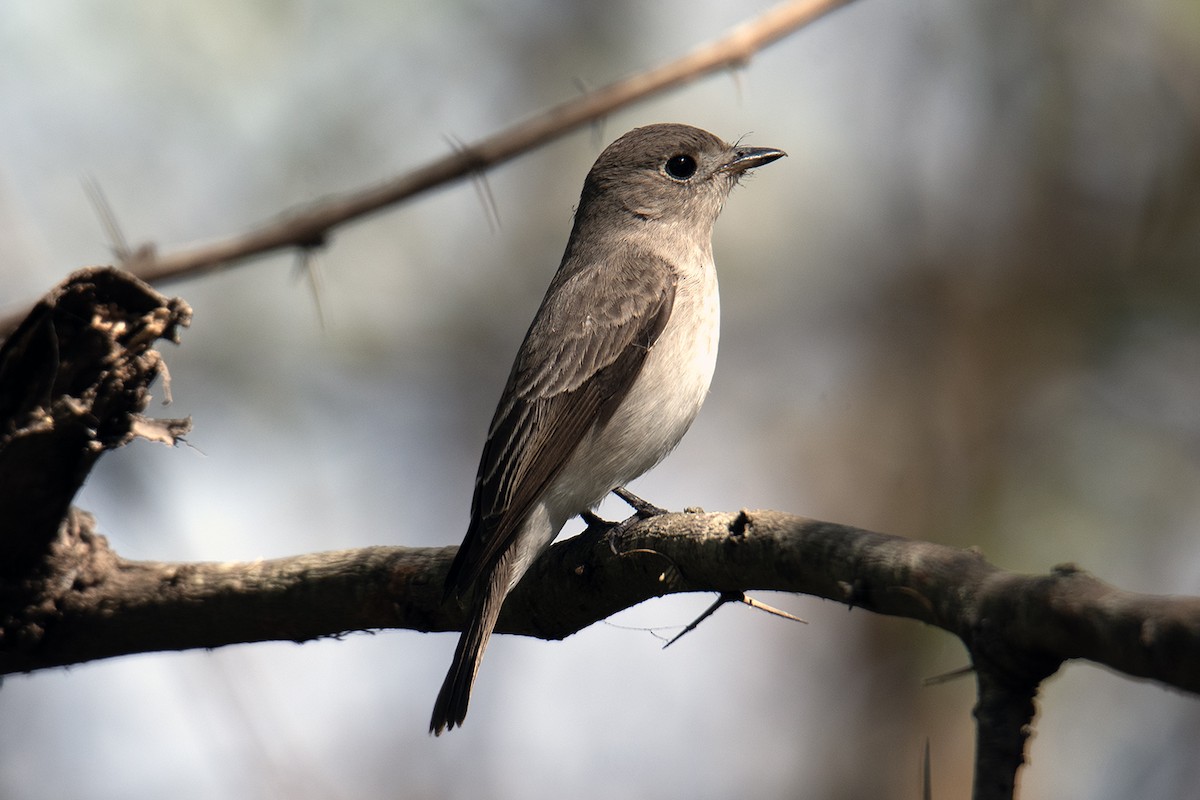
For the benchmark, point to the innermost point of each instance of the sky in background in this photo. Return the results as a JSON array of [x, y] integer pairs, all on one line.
[[965, 309]]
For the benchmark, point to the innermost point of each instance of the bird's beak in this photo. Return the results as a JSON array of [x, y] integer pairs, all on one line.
[[745, 158]]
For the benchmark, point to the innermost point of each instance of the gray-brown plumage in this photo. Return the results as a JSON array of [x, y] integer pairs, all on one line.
[[611, 373]]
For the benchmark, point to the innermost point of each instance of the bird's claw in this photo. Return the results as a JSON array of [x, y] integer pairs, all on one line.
[[612, 531]]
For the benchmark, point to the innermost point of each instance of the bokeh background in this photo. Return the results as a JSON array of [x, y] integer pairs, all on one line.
[[966, 309]]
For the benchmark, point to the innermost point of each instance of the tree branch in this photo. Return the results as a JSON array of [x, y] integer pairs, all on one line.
[[1022, 626], [1004, 720], [310, 226], [1017, 628], [74, 379]]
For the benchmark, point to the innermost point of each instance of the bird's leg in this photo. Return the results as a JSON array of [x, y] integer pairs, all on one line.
[[595, 521], [612, 531]]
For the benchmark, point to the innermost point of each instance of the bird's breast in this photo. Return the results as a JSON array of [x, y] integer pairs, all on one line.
[[661, 403]]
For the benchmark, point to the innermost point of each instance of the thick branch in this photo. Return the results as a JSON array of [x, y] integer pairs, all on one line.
[[311, 225], [1004, 720], [74, 379], [1022, 625]]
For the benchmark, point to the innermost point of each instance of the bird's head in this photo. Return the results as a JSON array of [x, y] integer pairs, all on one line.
[[670, 173]]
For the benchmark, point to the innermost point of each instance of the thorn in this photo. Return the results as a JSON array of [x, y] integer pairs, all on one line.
[[597, 125], [108, 220], [735, 72], [946, 677], [722, 599], [483, 189], [306, 264], [732, 597], [598, 132], [761, 606]]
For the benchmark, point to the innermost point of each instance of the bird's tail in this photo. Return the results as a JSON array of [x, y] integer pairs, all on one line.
[[450, 708]]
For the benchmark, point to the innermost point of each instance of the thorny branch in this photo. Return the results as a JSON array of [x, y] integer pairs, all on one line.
[[310, 226]]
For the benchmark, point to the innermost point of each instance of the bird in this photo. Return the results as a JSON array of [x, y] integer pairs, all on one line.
[[611, 373]]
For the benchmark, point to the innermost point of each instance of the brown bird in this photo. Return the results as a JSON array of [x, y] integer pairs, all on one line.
[[611, 373]]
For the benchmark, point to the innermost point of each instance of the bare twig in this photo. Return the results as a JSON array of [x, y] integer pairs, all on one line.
[[722, 599], [311, 225], [314, 222]]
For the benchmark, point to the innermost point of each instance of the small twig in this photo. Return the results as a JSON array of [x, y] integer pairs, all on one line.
[[722, 599], [314, 222]]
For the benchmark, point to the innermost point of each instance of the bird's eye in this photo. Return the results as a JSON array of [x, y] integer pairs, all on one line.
[[680, 167]]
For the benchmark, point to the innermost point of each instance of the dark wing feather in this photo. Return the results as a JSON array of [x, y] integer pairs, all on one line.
[[582, 353]]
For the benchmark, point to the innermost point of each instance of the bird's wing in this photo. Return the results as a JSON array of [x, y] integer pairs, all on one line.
[[583, 351]]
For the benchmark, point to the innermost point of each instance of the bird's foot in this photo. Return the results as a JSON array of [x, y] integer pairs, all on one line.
[[612, 531], [642, 509]]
